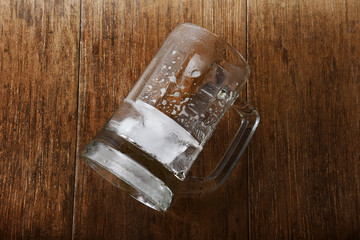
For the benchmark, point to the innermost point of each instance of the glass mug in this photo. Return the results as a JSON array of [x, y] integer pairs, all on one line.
[[156, 134]]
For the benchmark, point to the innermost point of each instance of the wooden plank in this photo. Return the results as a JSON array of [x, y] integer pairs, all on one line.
[[119, 38], [304, 168], [38, 83]]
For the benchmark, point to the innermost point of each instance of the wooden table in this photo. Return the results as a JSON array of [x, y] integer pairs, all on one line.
[[66, 65]]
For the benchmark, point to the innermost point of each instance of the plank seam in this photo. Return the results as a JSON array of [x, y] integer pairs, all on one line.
[[77, 122]]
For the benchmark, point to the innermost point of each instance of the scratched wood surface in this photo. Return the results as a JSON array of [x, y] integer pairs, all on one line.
[[39, 80], [65, 66], [304, 163]]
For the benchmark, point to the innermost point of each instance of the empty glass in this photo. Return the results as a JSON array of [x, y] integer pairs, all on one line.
[[151, 141]]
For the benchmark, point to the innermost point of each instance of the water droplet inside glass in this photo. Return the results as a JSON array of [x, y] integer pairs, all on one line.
[[222, 94], [180, 175], [195, 73]]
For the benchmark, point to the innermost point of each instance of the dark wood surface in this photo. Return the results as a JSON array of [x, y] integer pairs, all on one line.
[[65, 66], [39, 48], [304, 163]]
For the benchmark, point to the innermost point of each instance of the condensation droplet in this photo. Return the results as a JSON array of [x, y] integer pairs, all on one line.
[[180, 175], [222, 94], [162, 92], [195, 73], [172, 79]]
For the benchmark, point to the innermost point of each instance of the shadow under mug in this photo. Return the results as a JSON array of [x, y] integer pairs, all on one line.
[[152, 140]]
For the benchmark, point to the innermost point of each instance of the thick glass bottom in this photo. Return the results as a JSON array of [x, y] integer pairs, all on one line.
[[124, 172]]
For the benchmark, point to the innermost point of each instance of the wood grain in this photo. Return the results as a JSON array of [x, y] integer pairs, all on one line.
[[119, 38], [304, 168], [299, 179], [38, 76]]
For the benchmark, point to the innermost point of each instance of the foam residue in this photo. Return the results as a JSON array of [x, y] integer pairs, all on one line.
[[155, 132]]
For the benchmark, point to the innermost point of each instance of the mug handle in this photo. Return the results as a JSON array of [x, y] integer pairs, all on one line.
[[249, 122]]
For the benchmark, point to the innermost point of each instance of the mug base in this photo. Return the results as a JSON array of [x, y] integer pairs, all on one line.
[[125, 173]]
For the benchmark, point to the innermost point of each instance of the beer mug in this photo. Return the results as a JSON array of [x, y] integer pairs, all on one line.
[[156, 134]]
